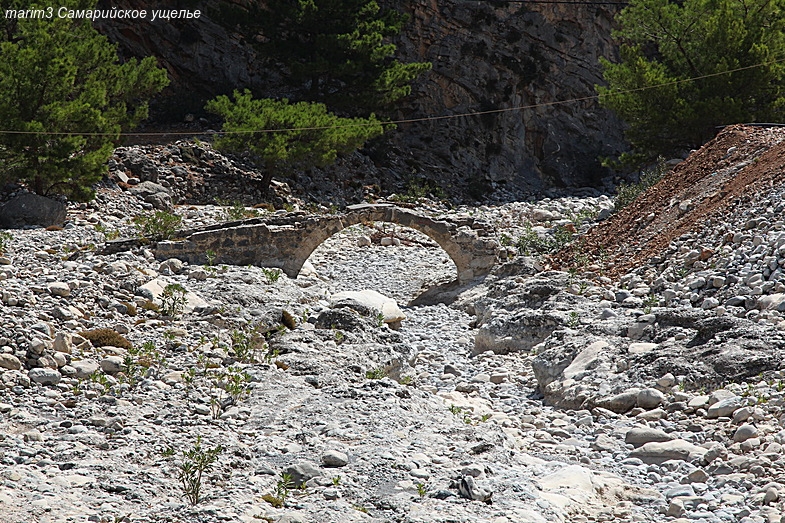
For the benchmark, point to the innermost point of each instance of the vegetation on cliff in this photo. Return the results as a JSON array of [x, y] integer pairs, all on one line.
[[689, 66], [341, 50], [337, 54], [281, 136]]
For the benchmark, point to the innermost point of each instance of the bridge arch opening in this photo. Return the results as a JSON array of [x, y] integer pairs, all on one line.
[[399, 262]]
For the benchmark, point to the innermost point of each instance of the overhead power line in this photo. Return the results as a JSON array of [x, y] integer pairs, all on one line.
[[407, 120]]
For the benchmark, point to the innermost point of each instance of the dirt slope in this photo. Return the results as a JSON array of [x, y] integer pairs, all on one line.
[[741, 162]]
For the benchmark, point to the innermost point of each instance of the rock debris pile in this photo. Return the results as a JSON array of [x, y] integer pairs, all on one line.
[[604, 392]]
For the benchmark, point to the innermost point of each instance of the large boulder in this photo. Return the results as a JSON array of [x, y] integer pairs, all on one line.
[[367, 299], [156, 195], [31, 209]]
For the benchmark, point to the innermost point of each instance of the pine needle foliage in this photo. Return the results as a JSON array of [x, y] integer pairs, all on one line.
[[304, 134], [59, 75], [671, 42], [343, 50]]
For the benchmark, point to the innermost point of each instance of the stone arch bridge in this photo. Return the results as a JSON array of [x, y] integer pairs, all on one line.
[[287, 241]]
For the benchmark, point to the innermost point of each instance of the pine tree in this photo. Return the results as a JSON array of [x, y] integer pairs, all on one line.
[[667, 43], [282, 136], [59, 77], [342, 50]]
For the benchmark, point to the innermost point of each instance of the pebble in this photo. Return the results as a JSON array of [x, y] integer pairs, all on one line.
[[745, 432]]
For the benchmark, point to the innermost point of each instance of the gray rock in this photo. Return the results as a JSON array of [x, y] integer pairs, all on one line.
[[650, 398], [744, 433], [667, 381], [696, 476], [716, 451], [63, 342], [726, 407], [680, 491], [302, 472], [59, 288], [622, 295], [31, 209], [33, 435], [450, 369], [171, 266], [334, 458], [468, 488], [604, 443], [331, 494], [741, 415], [84, 368], [44, 376], [474, 470], [719, 395], [677, 449], [639, 436], [156, 195], [698, 402], [620, 403], [112, 364]]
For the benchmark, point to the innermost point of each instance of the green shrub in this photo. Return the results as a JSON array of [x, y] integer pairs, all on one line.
[[376, 374], [160, 225], [5, 239], [247, 344], [233, 211], [530, 243], [418, 189], [271, 275], [627, 193], [194, 464], [173, 300]]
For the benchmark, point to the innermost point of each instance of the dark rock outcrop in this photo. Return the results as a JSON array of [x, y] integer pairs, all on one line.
[[31, 209]]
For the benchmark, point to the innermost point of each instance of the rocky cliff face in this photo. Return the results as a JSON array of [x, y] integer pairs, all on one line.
[[485, 57]]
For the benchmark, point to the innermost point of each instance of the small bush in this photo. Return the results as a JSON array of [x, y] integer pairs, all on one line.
[[160, 225], [288, 320], [627, 193], [530, 243], [149, 305], [233, 211], [271, 275], [5, 239], [173, 300], [247, 344], [106, 338], [375, 374], [418, 189], [131, 308], [196, 462]]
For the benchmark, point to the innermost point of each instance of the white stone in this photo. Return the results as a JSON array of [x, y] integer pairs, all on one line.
[[335, 458], [373, 300], [59, 288], [641, 347]]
